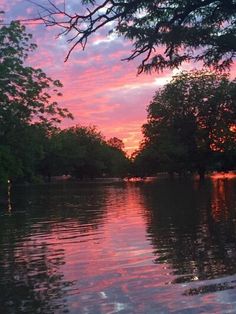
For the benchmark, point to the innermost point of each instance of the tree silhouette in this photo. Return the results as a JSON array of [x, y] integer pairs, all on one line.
[[165, 33]]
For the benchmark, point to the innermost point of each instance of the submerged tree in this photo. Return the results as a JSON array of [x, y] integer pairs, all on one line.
[[165, 33], [190, 120], [27, 110]]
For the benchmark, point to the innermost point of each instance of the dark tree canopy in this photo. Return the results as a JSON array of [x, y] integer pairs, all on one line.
[[191, 121], [27, 111], [164, 33], [83, 153], [116, 143]]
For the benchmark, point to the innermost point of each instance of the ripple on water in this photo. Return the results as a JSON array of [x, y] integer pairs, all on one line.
[[125, 248]]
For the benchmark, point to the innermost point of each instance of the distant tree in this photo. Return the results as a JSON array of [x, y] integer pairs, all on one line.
[[25, 103], [83, 153], [118, 164], [145, 161], [191, 119], [165, 33], [52, 163], [77, 151], [116, 143]]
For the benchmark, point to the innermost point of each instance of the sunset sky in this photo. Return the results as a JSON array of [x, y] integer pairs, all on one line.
[[99, 89]]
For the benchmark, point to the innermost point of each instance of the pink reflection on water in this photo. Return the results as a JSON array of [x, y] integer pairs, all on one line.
[[111, 262]]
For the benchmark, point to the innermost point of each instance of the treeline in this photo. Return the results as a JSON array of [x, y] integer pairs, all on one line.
[[35, 154], [83, 153]]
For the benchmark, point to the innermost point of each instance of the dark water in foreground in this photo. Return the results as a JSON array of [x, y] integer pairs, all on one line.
[[164, 247]]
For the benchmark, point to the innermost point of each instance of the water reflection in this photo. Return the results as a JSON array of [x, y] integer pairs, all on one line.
[[223, 199], [32, 258], [29, 269], [84, 204], [161, 247], [192, 227]]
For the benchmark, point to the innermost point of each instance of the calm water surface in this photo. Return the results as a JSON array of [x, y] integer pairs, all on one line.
[[164, 247]]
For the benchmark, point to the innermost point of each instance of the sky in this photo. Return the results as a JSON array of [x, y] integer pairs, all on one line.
[[99, 89]]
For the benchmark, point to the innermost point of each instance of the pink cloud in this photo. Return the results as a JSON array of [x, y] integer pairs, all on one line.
[[98, 89]]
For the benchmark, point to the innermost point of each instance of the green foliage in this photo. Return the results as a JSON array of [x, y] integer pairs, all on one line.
[[83, 146], [24, 90], [26, 144], [82, 152], [165, 33], [27, 112], [190, 122]]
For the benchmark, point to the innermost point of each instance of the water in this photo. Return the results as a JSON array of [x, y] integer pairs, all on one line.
[[164, 247]]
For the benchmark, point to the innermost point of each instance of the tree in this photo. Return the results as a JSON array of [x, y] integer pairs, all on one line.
[[52, 163], [77, 151], [25, 90], [115, 142], [165, 33], [117, 163], [191, 119], [82, 152], [145, 161], [26, 108]]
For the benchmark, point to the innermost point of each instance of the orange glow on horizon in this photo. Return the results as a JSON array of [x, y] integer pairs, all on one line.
[[223, 175]]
